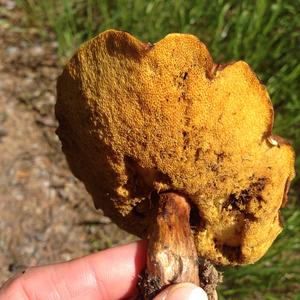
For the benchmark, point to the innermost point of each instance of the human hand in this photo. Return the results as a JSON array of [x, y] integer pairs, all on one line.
[[108, 275]]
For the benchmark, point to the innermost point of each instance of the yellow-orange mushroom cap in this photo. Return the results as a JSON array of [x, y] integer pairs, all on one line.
[[136, 119]]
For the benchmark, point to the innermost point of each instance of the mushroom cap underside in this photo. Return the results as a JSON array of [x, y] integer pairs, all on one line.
[[137, 119]]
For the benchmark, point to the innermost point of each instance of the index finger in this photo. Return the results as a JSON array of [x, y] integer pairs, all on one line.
[[108, 275]]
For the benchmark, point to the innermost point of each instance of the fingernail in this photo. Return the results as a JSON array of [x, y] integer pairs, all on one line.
[[183, 291], [197, 294]]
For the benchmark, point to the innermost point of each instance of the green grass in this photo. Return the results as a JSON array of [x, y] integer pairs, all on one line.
[[265, 33]]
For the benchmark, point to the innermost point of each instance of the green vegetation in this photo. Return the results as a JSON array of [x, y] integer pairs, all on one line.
[[264, 33]]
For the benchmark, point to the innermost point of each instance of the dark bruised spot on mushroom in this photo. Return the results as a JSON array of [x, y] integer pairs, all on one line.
[[241, 200], [196, 220], [233, 253], [164, 140]]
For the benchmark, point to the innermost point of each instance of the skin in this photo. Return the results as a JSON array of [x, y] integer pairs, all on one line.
[[93, 277]]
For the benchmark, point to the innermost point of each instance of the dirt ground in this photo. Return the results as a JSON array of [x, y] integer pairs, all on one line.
[[45, 213]]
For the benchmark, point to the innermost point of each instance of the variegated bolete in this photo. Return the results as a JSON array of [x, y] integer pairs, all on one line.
[[138, 120]]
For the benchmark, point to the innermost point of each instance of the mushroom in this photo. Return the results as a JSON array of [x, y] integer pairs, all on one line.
[[175, 149]]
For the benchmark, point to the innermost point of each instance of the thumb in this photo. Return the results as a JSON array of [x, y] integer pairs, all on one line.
[[182, 291]]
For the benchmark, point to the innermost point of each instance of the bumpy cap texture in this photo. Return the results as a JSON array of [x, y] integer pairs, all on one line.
[[137, 119]]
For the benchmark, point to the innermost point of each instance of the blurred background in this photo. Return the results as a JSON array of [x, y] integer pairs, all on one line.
[[45, 213]]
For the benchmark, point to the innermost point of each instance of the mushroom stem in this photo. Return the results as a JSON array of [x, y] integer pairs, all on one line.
[[172, 256]]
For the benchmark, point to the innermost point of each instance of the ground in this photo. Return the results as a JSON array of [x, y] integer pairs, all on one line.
[[45, 213]]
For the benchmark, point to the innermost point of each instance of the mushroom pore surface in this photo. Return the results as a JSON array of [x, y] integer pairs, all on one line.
[[137, 119]]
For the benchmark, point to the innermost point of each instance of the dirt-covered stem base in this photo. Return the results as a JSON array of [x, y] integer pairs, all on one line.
[[172, 256]]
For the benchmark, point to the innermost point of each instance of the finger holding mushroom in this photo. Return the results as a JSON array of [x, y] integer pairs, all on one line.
[[164, 138]]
